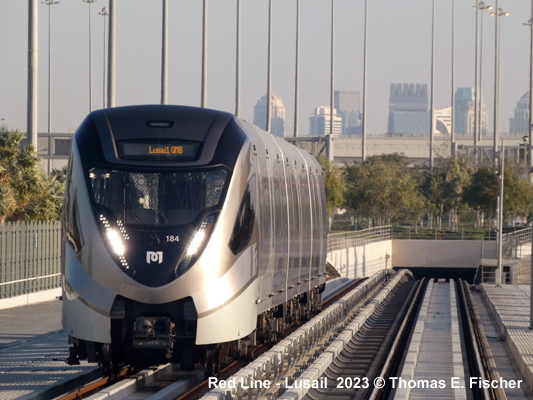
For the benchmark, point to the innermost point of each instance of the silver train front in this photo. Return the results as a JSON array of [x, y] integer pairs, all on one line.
[[230, 250]]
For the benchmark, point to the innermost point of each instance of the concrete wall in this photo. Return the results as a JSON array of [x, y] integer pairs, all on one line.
[[361, 261], [438, 253], [30, 298]]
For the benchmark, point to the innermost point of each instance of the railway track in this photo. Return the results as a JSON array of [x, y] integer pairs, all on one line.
[[373, 340], [361, 358], [184, 385], [422, 361]]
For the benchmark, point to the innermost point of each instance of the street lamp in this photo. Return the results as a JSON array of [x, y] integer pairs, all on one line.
[[90, 56], [363, 122], [164, 55], [203, 100], [269, 71], [478, 105], [238, 60], [332, 76], [499, 13], [499, 262], [452, 119], [104, 13], [297, 70], [49, 3], [530, 138], [432, 96]]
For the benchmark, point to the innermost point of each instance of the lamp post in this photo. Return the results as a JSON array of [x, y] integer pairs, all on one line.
[[497, 14], [164, 54], [452, 128], [432, 96], [269, 71], [238, 60], [499, 267], [104, 13], [530, 164], [203, 99], [478, 104], [476, 60], [33, 66], [363, 122], [49, 3], [90, 57], [111, 54], [529, 160], [479, 119], [332, 76], [297, 70]]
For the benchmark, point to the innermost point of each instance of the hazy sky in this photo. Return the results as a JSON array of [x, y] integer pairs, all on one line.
[[399, 40]]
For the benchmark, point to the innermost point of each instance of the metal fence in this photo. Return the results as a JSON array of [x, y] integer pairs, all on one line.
[[30, 257], [512, 241], [339, 241], [30, 253]]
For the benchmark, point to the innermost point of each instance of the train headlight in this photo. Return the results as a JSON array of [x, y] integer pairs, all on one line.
[[115, 239], [116, 242], [197, 243]]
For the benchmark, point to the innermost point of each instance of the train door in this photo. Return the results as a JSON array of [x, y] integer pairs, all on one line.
[[307, 225], [266, 210], [280, 216]]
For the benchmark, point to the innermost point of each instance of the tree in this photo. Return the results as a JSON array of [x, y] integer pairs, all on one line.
[[480, 195], [517, 193], [24, 189], [333, 183], [458, 175], [433, 182], [384, 188]]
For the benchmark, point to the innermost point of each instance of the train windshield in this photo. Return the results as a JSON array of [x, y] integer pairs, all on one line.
[[157, 199]]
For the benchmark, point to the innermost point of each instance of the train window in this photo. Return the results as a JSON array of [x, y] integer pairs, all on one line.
[[244, 225], [71, 215], [157, 198]]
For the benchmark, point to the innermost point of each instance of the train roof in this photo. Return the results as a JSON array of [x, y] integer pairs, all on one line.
[[172, 121]]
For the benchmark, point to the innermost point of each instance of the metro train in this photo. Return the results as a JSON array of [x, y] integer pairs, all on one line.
[[190, 236]]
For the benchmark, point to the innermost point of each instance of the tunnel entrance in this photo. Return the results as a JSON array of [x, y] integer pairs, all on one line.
[[466, 274]]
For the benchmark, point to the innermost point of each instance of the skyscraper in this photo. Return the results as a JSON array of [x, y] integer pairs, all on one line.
[[277, 120], [520, 122], [464, 112], [347, 104], [319, 122], [408, 108]]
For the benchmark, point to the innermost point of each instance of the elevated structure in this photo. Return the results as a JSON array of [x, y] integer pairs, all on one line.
[[348, 148], [53, 149]]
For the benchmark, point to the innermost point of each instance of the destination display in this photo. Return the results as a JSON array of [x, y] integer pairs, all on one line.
[[158, 150]]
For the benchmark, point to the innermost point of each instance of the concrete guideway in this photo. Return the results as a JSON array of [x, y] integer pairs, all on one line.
[[281, 359], [509, 306], [435, 350], [33, 347], [31, 370]]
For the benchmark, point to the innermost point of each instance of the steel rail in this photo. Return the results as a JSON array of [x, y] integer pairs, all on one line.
[[486, 365], [401, 341]]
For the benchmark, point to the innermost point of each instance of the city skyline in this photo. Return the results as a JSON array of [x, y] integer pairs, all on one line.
[[398, 51]]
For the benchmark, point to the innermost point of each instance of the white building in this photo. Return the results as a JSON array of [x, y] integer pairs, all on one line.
[[319, 122], [277, 120]]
